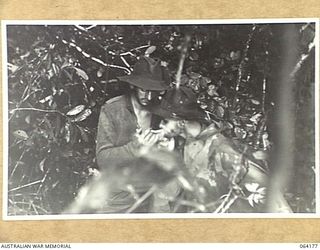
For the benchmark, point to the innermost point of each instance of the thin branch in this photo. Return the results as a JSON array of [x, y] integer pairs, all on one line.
[[126, 63], [264, 88], [243, 61], [34, 208], [302, 59], [110, 65], [142, 199], [17, 164], [26, 185], [184, 51], [196, 205], [91, 27], [81, 28], [140, 47], [229, 204], [42, 181], [38, 110], [97, 60], [122, 54], [130, 51], [14, 203]]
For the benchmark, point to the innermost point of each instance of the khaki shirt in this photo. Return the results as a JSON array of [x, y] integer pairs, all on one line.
[[218, 165], [116, 128]]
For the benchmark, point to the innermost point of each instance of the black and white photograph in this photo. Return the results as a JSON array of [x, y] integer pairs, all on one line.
[[160, 119]]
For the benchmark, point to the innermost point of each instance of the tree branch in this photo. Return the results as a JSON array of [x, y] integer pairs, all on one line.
[[38, 110], [97, 60], [184, 51]]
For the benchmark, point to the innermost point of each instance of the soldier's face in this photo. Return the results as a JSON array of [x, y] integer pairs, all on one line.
[[171, 127], [144, 96]]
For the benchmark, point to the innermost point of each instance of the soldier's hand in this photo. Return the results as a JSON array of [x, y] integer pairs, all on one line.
[[148, 138]]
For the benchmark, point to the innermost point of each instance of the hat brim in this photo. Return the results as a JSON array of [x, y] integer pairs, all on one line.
[[190, 114], [144, 83]]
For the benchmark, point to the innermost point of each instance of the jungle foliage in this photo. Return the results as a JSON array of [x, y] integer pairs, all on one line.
[[60, 75]]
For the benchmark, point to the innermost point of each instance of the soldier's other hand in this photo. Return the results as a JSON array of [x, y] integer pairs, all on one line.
[[147, 138]]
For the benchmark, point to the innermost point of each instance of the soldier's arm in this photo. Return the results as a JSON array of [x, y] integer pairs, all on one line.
[[107, 151]]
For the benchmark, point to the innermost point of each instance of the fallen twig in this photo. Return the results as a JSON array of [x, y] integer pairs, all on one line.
[[26, 185]]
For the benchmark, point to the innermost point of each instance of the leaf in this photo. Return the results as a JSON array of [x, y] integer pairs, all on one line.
[[204, 82], [218, 63], [67, 73], [41, 164], [265, 140], [184, 79], [27, 119], [220, 111], [255, 102], [194, 56], [255, 119], [83, 134], [185, 183], [81, 73], [252, 187], [250, 200], [68, 132], [20, 134], [49, 99], [84, 115], [262, 190], [150, 50], [49, 60], [235, 55], [12, 68], [68, 153], [55, 69], [74, 132], [76, 110], [260, 155], [194, 75], [100, 72], [240, 133]]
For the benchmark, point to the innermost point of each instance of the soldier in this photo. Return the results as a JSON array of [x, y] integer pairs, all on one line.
[[233, 181], [125, 124]]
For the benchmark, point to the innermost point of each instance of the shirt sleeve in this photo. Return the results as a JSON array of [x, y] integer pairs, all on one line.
[[107, 151]]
